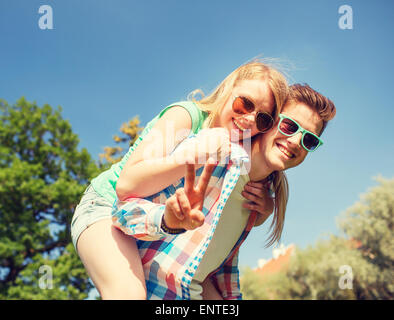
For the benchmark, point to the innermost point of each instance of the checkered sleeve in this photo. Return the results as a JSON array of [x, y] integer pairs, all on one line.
[[140, 218], [226, 279]]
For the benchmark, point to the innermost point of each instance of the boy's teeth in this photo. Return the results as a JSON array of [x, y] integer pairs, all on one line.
[[285, 151]]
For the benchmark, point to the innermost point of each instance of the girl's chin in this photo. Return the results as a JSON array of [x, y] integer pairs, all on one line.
[[237, 134]]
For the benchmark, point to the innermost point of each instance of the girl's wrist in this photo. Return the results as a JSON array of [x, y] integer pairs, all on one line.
[[169, 230]]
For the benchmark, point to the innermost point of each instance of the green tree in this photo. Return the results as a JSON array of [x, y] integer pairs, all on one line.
[[129, 134], [318, 271], [256, 287], [371, 222], [358, 264], [43, 175]]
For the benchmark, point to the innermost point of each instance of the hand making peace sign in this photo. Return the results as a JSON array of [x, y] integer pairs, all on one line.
[[184, 209]]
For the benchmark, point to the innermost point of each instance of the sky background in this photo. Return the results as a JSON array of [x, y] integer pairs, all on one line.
[[107, 61]]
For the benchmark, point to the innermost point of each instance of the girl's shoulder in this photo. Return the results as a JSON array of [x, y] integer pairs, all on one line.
[[196, 114]]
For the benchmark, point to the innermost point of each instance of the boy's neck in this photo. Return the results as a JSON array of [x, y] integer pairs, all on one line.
[[258, 170], [257, 173]]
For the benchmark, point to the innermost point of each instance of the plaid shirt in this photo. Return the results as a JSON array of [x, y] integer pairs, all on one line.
[[170, 261]]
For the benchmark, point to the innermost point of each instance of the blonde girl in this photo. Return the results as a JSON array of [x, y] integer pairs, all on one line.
[[203, 262], [110, 257]]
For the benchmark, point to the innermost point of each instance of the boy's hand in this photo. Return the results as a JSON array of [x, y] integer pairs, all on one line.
[[260, 200], [183, 209]]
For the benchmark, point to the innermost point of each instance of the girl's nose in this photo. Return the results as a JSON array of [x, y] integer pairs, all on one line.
[[248, 119]]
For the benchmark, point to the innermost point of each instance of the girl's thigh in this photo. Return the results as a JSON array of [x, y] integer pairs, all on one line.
[[112, 261]]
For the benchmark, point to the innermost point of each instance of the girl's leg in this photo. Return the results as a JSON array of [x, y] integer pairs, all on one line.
[[112, 261]]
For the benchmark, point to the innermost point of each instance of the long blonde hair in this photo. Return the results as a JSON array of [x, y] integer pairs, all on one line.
[[301, 93], [256, 69], [281, 197]]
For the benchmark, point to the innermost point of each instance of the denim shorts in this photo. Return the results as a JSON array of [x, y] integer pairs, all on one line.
[[90, 209]]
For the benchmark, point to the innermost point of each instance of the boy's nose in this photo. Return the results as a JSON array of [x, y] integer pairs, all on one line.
[[296, 139]]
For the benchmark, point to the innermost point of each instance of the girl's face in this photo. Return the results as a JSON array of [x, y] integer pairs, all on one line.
[[243, 126]]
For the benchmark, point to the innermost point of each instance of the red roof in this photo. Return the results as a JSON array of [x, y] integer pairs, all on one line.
[[274, 265], [282, 259]]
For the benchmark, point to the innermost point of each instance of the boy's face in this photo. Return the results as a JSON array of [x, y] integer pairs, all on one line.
[[278, 152]]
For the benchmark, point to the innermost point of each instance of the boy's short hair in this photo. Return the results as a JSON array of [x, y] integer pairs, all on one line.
[[303, 93]]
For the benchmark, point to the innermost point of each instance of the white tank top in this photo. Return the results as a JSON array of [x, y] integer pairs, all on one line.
[[231, 224]]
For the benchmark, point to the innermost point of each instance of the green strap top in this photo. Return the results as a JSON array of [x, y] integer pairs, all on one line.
[[105, 183]]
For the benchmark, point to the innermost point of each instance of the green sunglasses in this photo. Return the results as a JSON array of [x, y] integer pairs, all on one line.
[[289, 127]]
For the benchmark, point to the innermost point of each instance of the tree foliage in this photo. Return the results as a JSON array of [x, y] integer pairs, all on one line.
[[371, 221], [129, 134], [358, 264], [43, 175]]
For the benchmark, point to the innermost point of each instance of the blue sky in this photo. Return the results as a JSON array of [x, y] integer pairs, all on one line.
[[107, 61]]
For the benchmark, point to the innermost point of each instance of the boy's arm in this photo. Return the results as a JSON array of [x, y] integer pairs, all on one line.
[[261, 200]]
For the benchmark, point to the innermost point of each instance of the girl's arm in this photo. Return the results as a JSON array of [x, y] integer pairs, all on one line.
[[143, 219], [153, 166], [139, 218], [138, 179]]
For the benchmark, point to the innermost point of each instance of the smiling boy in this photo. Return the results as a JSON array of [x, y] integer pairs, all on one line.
[[203, 262]]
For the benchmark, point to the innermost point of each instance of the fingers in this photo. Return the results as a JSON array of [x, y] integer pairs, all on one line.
[[260, 189], [179, 205], [259, 197], [179, 213], [206, 176], [223, 154], [255, 191], [263, 210], [196, 219], [251, 206], [225, 147], [260, 185], [190, 177], [173, 207], [252, 197], [265, 207], [183, 202], [256, 184], [193, 218]]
